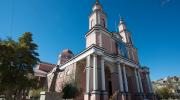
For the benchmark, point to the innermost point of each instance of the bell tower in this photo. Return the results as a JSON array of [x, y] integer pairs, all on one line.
[[126, 36], [127, 39], [97, 17], [97, 26]]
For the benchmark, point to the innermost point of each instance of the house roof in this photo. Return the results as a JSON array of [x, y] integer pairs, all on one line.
[[45, 66], [40, 73]]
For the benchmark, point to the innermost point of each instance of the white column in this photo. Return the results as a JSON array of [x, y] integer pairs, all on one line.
[[88, 69], [95, 81], [137, 81], [120, 78], [125, 78], [140, 82], [148, 83], [103, 74]]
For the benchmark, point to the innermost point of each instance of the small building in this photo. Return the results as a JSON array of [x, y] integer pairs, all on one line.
[[41, 71]]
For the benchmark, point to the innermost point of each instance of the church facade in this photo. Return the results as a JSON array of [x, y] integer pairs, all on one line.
[[108, 67]]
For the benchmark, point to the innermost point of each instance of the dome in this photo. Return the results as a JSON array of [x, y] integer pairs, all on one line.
[[64, 56], [66, 51]]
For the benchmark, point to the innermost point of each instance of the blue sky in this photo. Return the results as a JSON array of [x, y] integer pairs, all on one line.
[[61, 24]]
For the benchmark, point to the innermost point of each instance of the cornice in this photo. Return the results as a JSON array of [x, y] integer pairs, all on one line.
[[114, 56], [94, 49], [99, 27]]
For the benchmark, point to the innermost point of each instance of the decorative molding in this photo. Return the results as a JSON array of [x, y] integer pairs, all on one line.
[[99, 51]]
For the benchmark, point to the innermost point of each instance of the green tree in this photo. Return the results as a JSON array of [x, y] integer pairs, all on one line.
[[17, 60]]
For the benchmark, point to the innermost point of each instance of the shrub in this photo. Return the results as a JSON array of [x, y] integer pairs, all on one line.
[[71, 90]]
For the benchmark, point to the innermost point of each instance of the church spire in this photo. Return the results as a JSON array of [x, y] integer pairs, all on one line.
[[122, 25], [126, 36], [97, 1], [97, 6], [97, 17]]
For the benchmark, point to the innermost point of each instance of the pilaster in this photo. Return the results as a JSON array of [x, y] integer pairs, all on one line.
[[103, 74], [104, 92], [140, 82], [137, 81], [88, 69], [150, 84], [95, 94], [121, 87], [125, 78], [95, 77]]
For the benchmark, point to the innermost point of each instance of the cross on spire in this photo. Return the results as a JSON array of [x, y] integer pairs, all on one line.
[[97, 1], [97, 5]]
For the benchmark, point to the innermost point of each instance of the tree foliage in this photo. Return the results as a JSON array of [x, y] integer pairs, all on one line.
[[17, 60], [163, 93]]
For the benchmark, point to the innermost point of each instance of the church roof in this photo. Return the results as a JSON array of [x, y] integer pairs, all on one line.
[[45, 66]]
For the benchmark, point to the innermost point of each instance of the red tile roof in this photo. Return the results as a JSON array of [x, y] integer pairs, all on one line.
[[47, 67]]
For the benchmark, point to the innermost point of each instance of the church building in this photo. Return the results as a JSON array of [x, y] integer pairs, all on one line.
[[108, 67]]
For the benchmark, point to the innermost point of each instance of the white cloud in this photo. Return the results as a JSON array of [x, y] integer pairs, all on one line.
[[164, 2]]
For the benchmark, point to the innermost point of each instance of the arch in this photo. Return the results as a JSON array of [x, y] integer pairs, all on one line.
[[132, 88], [109, 66], [108, 81], [110, 78]]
